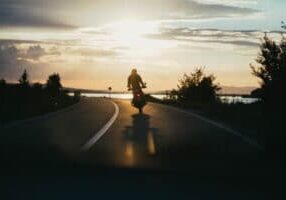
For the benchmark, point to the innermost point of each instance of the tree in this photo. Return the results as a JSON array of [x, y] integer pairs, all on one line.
[[271, 70], [54, 81], [197, 87], [54, 85], [2, 82], [24, 79]]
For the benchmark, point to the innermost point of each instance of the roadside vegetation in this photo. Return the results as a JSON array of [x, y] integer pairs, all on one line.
[[271, 71], [198, 92], [261, 120], [24, 99]]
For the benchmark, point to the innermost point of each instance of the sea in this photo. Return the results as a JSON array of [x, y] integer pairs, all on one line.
[[223, 98]]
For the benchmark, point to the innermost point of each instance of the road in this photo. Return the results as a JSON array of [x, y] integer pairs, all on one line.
[[164, 140], [161, 138]]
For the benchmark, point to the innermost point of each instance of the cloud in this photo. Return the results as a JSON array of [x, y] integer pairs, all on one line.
[[248, 38], [29, 13], [10, 61], [90, 52], [14, 58], [231, 2], [198, 10], [74, 13], [235, 42], [55, 51], [8, 54], [35, 52], [40, 57], [12, 42]]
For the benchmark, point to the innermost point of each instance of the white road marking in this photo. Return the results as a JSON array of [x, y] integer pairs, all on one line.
[[102, 131], [221, 126]]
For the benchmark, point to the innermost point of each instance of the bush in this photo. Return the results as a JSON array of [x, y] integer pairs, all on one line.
[[196, 87]]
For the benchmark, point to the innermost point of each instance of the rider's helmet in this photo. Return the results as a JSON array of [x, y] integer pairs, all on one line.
[[134, 71]]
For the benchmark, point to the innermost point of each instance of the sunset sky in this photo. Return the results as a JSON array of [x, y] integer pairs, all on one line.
[[94, 44]]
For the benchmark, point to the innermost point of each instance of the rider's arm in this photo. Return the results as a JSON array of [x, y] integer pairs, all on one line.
[[128, 82], [141, 82]]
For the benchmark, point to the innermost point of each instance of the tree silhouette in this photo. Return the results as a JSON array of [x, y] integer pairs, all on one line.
[[54, 81], [271, 69], [197, 87], [24, 79], [53, 87], [2, 82], [18, 101]]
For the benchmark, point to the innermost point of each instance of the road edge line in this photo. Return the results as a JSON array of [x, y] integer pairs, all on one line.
[[218, 125], [102, 131]]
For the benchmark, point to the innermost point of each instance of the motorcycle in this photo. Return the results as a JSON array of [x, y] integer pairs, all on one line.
[[139, 100]]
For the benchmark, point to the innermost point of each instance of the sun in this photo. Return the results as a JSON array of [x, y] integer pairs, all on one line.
[[133, 38], [131, 32]]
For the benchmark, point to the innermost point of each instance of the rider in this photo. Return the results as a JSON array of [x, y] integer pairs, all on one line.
[[135, 82]]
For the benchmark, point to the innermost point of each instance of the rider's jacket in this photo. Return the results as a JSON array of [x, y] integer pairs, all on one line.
[[135, 82]]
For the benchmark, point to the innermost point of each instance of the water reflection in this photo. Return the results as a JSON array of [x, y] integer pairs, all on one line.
[[224, 99], [140, 138]]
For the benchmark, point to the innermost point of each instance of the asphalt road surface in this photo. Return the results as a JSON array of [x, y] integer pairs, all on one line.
[[98, 134]]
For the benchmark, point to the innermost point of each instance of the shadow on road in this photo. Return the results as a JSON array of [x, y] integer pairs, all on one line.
[[140, 137]]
